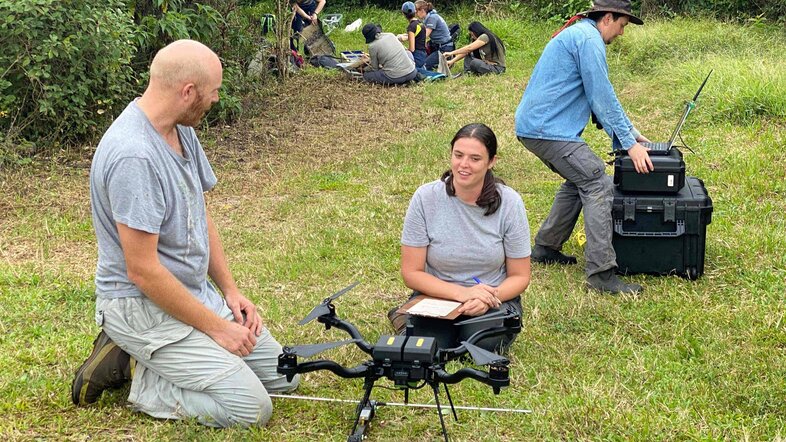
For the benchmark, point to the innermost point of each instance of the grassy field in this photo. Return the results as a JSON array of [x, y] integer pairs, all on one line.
[[313, 186]]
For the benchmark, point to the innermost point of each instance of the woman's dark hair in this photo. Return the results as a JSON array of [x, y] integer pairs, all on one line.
[[409, 16], [490, 198], [422, 4], [478, 29]]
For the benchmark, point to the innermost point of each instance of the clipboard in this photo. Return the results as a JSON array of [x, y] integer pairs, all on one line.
[[405, 309]]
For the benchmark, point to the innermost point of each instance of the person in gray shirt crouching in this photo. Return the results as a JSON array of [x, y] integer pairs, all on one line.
[[390, 63]]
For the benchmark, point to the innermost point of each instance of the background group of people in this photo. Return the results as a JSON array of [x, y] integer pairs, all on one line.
[[428, 36], [169, 306]]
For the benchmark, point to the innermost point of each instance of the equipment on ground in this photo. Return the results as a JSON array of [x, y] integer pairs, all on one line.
[[662, 233], [411, 362]]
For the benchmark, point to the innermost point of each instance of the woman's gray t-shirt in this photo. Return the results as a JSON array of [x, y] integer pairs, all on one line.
[[463, 243]]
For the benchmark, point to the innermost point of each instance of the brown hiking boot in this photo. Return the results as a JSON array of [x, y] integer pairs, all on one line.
[[108, 366], [397, 320]]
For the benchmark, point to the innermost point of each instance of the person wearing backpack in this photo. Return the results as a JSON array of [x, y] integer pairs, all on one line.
[[570, 82], [437, 33]]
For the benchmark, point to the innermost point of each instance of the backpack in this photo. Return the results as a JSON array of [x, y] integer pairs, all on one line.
[[455, 31], [323, 61], [268, 23]]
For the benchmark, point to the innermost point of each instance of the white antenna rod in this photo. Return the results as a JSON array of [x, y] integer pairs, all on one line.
[[399, 404]]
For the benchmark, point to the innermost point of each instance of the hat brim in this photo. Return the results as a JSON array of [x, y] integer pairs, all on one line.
[[633, 19]]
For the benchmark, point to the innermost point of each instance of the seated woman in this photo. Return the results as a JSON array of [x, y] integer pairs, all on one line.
[[389, 62], [437, 33], [485, 55], [466, 239], [415, 37]]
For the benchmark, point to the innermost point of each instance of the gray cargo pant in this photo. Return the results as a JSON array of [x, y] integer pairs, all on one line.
[[586, 185], [182, 373], [480, 67], [381, 77]]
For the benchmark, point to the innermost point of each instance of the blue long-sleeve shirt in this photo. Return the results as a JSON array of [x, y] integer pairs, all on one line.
[[570, 80]]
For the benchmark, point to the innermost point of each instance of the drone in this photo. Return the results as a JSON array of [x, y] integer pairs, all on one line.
[[411, 362]]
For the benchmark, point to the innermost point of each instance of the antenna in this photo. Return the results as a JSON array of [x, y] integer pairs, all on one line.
[[696, 97]]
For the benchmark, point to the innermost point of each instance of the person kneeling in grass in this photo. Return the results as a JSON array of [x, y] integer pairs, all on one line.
[[485, 55], [161, 267]]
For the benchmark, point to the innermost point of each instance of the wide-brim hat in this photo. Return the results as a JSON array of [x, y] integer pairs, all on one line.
[[370, 31], [618, 6]]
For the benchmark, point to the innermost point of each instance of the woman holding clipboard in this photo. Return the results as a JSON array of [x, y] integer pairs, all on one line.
[[466, 239]]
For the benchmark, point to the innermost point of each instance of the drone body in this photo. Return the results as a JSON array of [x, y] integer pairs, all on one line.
[[410, 362]]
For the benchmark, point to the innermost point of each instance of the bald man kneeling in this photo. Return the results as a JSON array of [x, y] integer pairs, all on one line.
[[189, 351]]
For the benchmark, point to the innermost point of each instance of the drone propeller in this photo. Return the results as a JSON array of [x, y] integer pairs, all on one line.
[[308, 350], [481, 356], [322, 308], [496, 316]]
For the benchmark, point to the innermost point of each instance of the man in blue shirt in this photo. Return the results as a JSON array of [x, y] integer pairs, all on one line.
[[569, 83]]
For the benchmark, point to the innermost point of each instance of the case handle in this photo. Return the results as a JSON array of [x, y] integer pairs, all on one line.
[[679, 231]]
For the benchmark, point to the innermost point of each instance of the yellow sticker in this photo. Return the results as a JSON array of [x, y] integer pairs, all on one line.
[[391, 340], [419, 343], [581, 238]]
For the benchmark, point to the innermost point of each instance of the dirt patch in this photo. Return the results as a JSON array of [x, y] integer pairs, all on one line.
[[317, 119], [312, 120]]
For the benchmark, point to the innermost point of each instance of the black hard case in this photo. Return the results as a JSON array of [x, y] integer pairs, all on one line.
[[668, 175], [662, 234]]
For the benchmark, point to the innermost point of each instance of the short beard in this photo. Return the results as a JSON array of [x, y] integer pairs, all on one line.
[[194, 114]]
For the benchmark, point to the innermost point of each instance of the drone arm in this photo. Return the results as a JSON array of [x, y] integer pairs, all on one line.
[[290, 369], [453, 353], [333, 321], [497, 376]]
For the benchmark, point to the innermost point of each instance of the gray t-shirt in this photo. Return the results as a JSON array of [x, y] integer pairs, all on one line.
[[462, 242], [387, 54], [440, 33], [136, 179]]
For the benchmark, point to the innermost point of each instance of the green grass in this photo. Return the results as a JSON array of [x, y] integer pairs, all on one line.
[[306, 209]]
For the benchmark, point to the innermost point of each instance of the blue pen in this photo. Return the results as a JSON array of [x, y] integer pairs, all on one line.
[[475, 278]]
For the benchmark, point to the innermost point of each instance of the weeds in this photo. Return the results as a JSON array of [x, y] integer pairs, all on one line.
[[311, 196]]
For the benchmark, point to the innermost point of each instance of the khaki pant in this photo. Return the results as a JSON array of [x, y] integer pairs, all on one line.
[[182, 373]]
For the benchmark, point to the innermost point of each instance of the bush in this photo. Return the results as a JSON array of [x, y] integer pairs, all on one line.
[[64, 67]]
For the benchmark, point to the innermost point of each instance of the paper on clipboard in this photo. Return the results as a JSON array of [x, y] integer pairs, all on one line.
[[431, 307]]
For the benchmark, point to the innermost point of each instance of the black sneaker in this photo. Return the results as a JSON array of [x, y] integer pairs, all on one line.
[[607, 281], [108, 366], [545, 255]]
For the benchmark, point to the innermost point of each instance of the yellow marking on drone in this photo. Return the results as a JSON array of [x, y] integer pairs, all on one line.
[[391, 340], [419, 343]]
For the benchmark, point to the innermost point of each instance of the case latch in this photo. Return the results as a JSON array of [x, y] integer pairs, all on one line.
[[669, 210], [629, 209]]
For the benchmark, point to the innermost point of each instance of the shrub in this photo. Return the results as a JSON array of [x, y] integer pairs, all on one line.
[[64, 66]]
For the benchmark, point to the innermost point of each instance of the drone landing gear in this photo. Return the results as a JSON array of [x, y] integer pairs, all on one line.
[[366, 412], [435, 387], [367, 409]]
